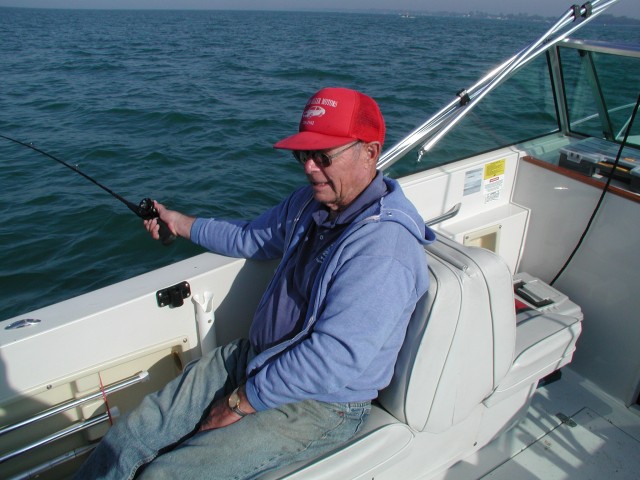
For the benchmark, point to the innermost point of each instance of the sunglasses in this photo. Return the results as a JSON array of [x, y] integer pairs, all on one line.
[[320, 158]]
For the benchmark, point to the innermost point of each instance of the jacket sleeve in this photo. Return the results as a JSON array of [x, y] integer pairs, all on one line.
[[262, 238], [355, 340]]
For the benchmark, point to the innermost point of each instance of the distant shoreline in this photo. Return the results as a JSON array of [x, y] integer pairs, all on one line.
[[604, 19]]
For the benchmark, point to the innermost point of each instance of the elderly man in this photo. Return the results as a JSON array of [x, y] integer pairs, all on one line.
[[326, 334]]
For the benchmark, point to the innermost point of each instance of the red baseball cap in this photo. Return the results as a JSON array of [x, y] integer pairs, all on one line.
[[334, 117]]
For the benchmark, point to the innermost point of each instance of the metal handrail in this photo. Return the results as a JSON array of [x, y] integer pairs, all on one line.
[[439, 124], [45, 467], [76, 427], [445, 216], [114, 387]]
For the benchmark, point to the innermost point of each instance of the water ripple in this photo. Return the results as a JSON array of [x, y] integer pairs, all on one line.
[[185, 107]]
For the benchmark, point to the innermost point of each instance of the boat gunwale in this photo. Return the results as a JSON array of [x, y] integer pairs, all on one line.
[[598, 46], [599, 184]]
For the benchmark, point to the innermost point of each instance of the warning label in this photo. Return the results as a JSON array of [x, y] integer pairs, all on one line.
[[494, 169], [493, 183]]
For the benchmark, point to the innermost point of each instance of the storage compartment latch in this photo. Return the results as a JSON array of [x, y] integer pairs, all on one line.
[[535, 292]]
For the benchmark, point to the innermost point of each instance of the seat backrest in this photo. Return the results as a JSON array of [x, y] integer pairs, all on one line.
[[460, 341]]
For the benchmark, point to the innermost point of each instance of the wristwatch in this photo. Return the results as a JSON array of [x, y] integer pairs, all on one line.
[[234, 403]]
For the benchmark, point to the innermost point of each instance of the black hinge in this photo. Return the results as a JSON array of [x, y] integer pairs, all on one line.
[[173, 296]]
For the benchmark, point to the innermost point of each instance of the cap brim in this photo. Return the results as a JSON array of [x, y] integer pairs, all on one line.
[[312, 141]]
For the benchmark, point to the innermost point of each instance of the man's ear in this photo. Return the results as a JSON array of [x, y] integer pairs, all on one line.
[[373, 151]]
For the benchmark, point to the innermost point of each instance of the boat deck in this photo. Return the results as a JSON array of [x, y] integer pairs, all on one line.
[[573, 430]]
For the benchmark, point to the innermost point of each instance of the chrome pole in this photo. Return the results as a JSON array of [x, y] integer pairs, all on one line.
[[109, 389], [477, 91], [40, 469], [531, 52], [61, 434]]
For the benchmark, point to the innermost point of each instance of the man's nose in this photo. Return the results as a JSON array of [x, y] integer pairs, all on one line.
[[310, 165]]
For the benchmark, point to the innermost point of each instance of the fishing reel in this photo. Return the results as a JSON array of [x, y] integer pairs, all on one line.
[[147, 211]]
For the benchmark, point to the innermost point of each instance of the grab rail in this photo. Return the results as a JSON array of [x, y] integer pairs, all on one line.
[[432, 131], [40, 469], [61, 407], [445, 216], [77, 427]]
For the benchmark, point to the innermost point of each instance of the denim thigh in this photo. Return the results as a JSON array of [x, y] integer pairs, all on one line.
[[169, 416], [262, 442]]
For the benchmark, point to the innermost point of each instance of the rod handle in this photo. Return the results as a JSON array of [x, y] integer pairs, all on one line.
[[166, 236]]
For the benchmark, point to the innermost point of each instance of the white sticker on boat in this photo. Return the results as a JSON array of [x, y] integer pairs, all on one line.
[[472, 181], [493, 180]]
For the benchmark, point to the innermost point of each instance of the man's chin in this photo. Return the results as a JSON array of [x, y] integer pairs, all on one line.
[[327, 201]]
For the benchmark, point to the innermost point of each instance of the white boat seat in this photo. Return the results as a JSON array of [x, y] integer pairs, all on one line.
[[459, 344], [465, 371], [383, 440], [545, 340]]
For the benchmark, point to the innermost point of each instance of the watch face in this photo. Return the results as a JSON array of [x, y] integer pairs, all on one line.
[[234, 403]]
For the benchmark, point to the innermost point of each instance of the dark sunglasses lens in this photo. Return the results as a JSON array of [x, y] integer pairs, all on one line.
[[322, 159], [319, 158]]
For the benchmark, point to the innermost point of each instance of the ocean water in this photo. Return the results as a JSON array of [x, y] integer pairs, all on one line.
[[184, 107]]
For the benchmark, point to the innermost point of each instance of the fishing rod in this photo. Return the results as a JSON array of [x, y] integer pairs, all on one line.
[[145, 209]]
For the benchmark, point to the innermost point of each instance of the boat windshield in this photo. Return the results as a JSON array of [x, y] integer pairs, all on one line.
[[601, 89], [575, 88]]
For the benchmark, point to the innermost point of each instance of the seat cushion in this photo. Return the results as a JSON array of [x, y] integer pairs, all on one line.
[[460, 340], [382, 440]]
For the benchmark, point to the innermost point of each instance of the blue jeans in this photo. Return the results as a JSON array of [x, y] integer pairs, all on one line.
[[159, 439]]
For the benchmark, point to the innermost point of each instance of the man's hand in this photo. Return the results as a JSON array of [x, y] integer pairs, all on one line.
[[178, 223], [221, 415]]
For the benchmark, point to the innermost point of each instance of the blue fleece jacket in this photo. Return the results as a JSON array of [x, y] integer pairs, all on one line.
[[361, 302]]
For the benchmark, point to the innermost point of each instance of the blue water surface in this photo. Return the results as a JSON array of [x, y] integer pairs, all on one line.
[[183, 107]]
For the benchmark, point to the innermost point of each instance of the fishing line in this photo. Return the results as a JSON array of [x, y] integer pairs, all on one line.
[[145, 209], [602, 195]]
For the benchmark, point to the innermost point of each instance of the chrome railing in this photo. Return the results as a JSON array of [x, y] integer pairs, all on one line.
[[429, 133], [68, 431]]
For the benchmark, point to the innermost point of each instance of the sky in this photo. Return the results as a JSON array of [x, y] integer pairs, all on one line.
[[546, 8]]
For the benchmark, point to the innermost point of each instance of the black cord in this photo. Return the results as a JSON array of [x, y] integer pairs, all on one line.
[[604, 192]]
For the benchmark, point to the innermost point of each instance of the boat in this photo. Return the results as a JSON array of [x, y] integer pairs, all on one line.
[[520, 362]]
